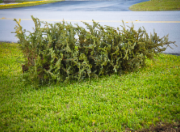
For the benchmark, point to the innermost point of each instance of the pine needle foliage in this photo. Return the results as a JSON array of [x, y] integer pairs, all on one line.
[[63, 52]]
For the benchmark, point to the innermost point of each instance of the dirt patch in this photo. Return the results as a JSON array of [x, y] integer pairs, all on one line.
[[163, 128], [160, 128]]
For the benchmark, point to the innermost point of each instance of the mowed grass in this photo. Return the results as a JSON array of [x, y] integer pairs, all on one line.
[[157, 5], [26, 3], [134, 100]]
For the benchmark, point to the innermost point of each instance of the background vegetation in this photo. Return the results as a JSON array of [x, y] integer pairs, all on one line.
[[156, 5], [27, 3], [135, 100]]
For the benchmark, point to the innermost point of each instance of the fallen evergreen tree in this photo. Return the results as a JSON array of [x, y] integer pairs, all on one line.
[[54, 53]]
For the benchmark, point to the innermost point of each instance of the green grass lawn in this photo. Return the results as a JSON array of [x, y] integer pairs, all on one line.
[[112, 103], [35, 3], [157, 5]]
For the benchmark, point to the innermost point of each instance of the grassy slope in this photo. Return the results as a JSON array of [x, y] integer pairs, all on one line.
[[157, 5], [133, 100], [28, 4]]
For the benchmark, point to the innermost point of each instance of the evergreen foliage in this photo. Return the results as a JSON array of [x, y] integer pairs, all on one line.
[[54, 53]]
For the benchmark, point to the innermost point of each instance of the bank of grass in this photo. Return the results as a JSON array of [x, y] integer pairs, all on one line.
[[27, 3], [135, 100], [156, 5]]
